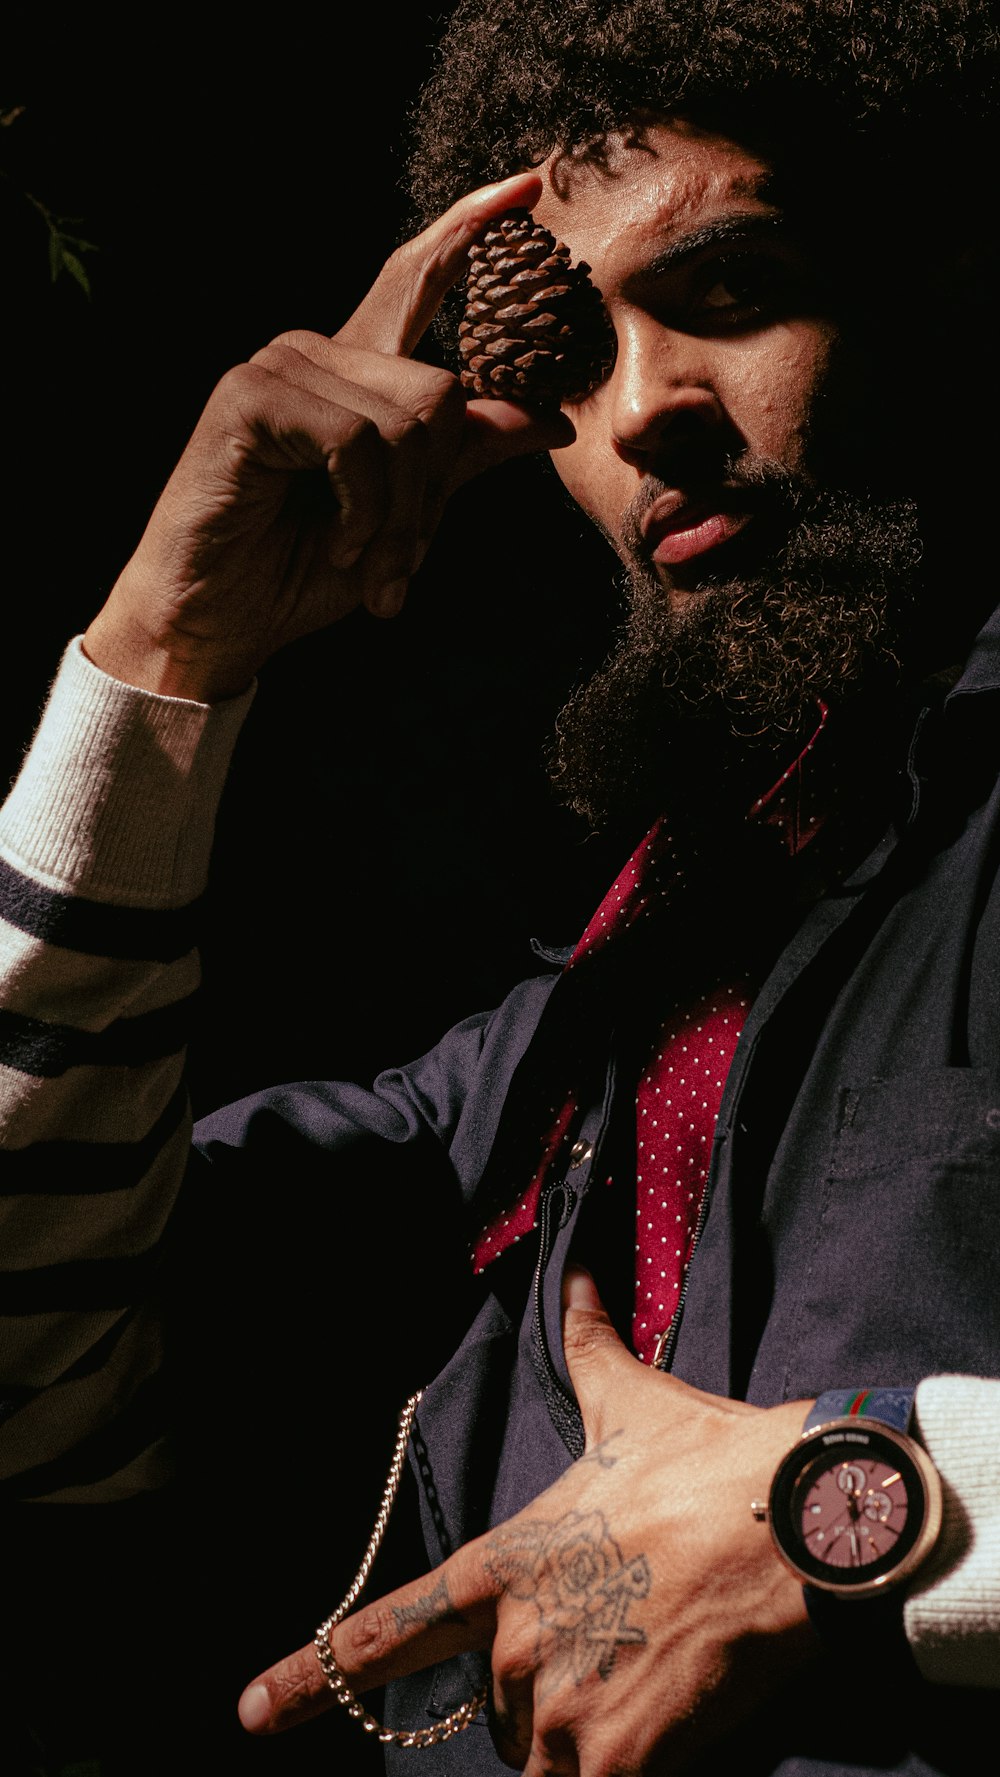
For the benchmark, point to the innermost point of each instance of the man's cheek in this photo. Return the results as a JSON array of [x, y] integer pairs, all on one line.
[[600, 483], [779, 393]]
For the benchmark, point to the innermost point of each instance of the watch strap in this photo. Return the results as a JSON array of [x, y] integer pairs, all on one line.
[[838, 1624], [883, 1617], [889, 1406]]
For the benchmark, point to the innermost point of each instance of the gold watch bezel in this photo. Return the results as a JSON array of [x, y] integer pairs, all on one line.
[[834, 1436]]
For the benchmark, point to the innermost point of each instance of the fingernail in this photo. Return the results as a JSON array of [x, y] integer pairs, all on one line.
[[562, 429], [385, 601], [254, 1708], [579, 1289], [511, 179]]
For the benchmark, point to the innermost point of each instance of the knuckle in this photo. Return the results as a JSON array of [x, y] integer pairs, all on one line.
[[408, 433], [285, 353], [448, 397], [299, 339], [270, 357], [357, 436], [370, 1636], [412, 268], [585, 1334], [245, 399], [241, 382], [292, 1683], [515, 1656], [406, 256]]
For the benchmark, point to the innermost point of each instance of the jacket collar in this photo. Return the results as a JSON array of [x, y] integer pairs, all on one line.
[[982, 668]]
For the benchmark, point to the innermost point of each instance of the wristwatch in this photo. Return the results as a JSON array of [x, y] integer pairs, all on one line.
[[855, 1506]]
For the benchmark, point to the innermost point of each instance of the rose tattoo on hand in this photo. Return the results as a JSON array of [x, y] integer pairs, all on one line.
[[575, 1575]]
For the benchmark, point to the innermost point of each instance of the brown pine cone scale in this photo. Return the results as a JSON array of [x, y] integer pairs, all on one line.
[[535, 327]]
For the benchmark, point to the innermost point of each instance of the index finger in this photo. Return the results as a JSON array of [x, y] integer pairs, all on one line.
[[412, 284], [450, 1611]]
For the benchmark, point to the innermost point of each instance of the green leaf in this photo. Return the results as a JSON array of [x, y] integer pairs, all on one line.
[[76, 270], [55, 254]]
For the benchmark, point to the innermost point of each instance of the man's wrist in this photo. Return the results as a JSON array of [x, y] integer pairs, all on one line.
[[196, 673]]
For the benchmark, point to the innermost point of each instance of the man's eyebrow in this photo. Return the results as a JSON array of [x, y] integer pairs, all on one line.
[[721, 233]]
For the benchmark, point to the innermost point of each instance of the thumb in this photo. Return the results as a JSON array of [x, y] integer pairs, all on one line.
[[599, 1364], [580, 1294]]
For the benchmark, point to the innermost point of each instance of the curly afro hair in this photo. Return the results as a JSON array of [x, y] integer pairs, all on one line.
[[515, 79]]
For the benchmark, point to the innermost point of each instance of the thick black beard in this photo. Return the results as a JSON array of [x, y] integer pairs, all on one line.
[[688, 700]]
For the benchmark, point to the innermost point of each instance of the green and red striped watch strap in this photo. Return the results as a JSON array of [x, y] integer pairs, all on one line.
[[889, 1406]]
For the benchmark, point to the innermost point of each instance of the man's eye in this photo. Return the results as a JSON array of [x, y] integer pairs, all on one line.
[[728, 293], [741, 291]]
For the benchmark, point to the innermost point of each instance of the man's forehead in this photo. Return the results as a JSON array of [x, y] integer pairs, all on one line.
[[664, 178], [689, 194]]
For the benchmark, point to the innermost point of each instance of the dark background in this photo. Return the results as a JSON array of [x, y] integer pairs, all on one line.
[[387, 844]]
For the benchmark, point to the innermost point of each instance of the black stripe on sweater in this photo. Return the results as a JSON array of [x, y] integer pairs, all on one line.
[[82, 1284], [48, 1050], [92, 927], [102, 1353], [13, 1398], [65, 1168]]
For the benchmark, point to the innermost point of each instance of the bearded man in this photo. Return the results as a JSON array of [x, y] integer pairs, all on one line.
[[728, 1170]]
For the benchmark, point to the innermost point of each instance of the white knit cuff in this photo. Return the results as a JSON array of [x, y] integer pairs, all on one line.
[[953, 1611], [117, 796]]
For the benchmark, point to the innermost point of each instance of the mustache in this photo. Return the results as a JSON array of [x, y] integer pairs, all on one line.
[[750, 481]]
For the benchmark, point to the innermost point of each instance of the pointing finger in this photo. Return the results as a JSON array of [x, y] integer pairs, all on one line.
[[450, 1611], [409, 290]]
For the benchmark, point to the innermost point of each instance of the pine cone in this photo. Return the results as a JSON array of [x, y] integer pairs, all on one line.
[[535, 329]]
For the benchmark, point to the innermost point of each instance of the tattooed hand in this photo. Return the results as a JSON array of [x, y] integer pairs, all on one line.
[[572, 1571], [635, 1611]]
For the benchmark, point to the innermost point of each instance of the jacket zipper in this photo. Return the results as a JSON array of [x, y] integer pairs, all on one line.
[[663, 1351], [561, 1189]]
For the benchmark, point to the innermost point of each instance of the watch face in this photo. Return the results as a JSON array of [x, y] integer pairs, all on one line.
[[853, 1513], [849, 1507]]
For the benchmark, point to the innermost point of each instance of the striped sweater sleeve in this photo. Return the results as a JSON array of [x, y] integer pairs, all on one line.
[[104, 847]]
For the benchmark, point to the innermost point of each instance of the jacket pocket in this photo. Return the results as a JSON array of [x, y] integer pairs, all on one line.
[[901, 1275]]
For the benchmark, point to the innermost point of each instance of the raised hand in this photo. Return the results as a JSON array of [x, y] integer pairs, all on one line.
[[314, 481], [635, 1611]]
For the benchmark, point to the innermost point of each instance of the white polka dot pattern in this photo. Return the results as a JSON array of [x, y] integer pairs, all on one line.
[[677, 1108]]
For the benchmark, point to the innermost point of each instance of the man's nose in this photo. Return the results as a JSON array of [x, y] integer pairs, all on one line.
[[665, 398]]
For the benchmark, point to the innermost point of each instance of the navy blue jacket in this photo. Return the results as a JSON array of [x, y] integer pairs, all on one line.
[[853, 1210]]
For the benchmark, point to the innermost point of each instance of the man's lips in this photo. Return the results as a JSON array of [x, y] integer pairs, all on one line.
[[674, 530]]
